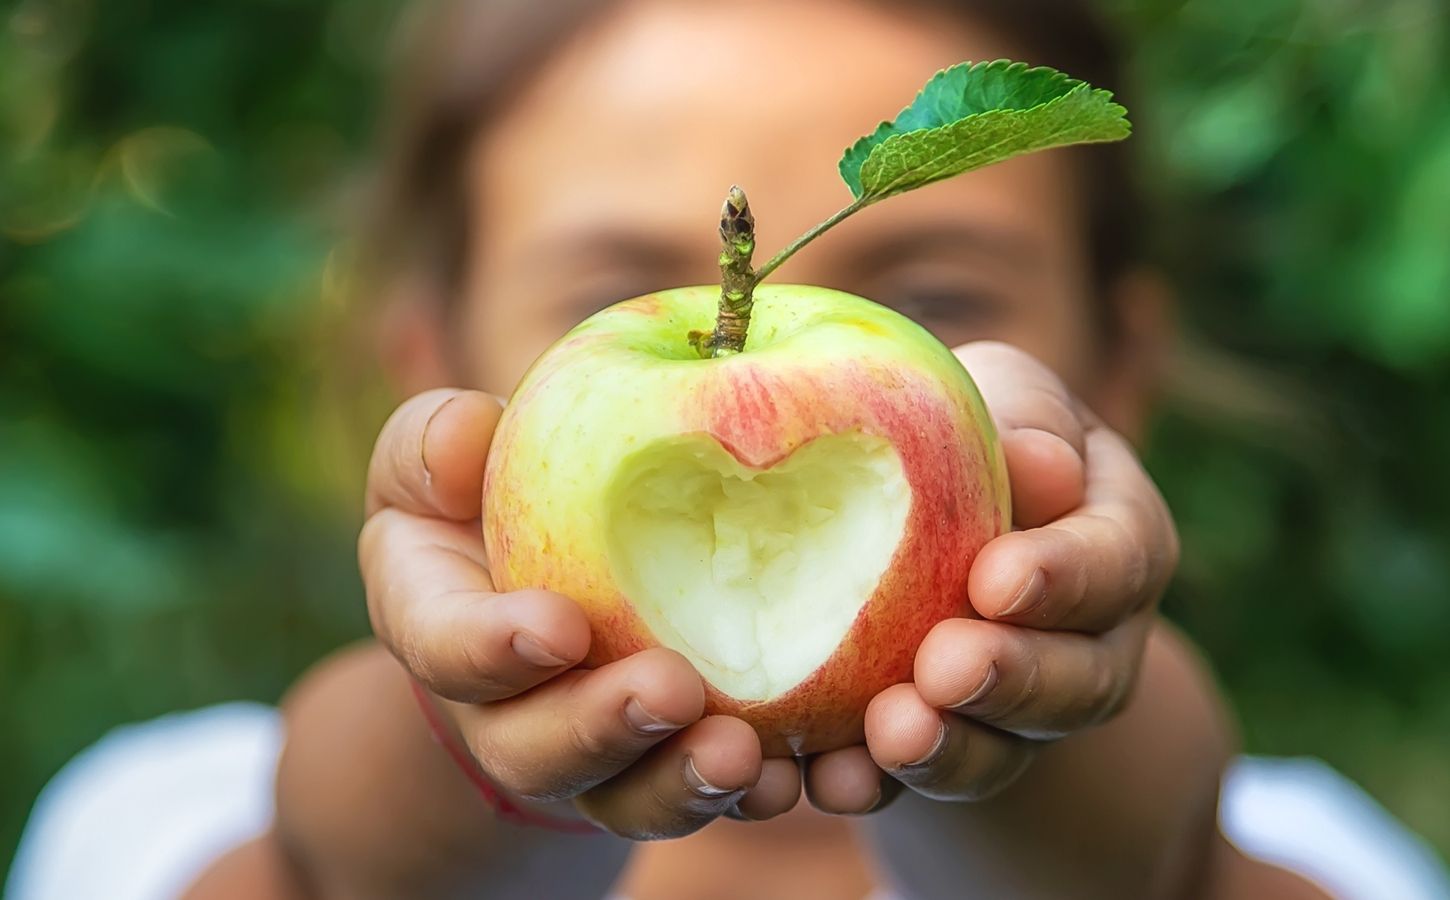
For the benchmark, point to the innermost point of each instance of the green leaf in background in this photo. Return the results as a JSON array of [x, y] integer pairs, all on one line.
[[976, 114]]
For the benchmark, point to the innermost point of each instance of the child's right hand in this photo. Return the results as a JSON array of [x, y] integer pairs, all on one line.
[[625, 742]]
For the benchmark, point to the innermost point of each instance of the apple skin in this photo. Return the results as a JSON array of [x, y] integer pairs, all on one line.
[[816, 362]]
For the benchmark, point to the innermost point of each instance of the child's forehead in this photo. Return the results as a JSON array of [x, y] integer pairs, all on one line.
[[679, 99], [761, 52]]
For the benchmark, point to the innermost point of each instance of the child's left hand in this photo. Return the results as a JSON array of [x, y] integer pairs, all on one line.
[[1063, 604]]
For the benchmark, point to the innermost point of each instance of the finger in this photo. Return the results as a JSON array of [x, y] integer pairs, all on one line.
[[431, 602], [776, 792], [582, 727], [1041, 427], [941, 756], [680, 786], [1038, 684], [1046, 475], [847, 783], [429, 457], [1091, 569]]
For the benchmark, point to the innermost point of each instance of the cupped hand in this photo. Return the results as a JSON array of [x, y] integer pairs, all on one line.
[[1061, 608], [625, 742]]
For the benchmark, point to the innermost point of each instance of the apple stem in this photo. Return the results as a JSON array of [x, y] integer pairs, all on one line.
[[737, 280]]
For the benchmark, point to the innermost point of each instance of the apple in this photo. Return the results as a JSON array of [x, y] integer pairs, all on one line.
[[793, 498], [792, 518]]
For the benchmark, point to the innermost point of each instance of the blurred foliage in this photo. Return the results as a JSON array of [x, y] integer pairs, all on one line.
[[182, 432], [1301, 149], [179, 461]]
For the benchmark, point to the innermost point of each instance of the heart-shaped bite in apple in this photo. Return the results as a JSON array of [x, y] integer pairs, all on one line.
[[793, 519], [756, 575]]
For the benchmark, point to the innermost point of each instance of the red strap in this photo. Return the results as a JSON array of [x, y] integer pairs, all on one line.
[[502, 806]]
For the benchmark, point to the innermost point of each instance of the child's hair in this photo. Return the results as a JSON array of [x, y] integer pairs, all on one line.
[[464, 59]]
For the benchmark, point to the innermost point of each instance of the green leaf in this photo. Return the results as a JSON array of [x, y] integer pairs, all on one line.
[[976, 114]]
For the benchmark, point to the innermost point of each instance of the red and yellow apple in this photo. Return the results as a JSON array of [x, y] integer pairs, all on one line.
[[793, 518]]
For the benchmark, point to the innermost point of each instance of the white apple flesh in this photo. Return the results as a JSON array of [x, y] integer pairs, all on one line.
[[793, 518]]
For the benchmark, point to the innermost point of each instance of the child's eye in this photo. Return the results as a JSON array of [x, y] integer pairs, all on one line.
[[954, 314]]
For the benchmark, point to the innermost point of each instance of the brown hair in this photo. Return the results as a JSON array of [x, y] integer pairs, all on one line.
[[464, 59]]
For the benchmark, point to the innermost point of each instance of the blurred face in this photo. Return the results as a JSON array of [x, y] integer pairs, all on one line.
[[605, 180]]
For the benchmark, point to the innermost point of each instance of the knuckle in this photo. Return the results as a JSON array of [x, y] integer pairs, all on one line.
[[1135, 563], [1028, 689], [478, 668], [496, 764], [410, 649], [594, 745], [583, 742], [374, 539], [1105, 695], [1124, 571], [1072, 597], [1046, 407], [384, 456], [1071, 577]]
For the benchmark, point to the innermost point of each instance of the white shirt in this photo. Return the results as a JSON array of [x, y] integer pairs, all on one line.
[[140, 815]]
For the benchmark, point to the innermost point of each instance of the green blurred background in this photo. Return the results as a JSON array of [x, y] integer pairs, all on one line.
[[183, 421]]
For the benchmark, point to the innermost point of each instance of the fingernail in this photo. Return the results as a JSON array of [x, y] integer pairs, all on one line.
[[1032, 592], [646, 722], [871, 807], [982, 689], [878, 802], [423, 439], [696, 782], [938, 748], [531, 651]]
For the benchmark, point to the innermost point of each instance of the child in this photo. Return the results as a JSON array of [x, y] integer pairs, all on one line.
[[548, 159]]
